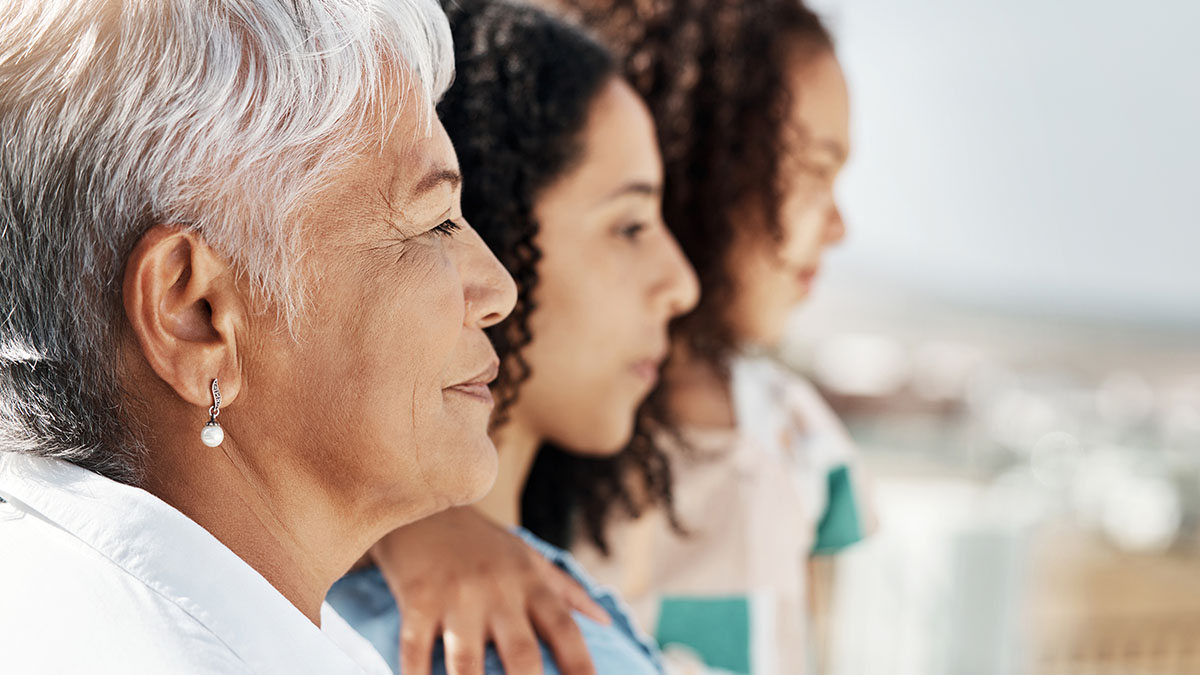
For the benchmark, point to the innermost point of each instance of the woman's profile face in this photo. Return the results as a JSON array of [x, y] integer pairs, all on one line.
[[382, 397], [772, 276], [610, 279]]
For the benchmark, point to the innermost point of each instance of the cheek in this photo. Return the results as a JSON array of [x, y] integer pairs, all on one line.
[[765, 290], [803, 219], [451, 460], [595, 312], [417, 343], [566, 331], [411, 318], [380, 357], [589, 329]]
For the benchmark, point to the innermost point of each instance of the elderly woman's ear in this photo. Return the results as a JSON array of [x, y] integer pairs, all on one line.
[[186, 312]]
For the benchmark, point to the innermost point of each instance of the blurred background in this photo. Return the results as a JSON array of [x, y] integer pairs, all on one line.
[[1012, 332]]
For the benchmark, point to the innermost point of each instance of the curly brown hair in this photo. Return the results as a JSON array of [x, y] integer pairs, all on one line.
[[715, 74], [525, 84]]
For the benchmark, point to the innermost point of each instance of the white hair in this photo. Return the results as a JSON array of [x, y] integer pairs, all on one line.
[[224, 116]]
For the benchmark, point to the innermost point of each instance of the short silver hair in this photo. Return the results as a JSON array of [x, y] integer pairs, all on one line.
[[224, 116]]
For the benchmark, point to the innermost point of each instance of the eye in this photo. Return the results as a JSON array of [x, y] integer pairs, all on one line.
[[631, 231], [447, 229], [828, 172]]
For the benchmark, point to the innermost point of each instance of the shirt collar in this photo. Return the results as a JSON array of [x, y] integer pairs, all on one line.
[[181, 561]]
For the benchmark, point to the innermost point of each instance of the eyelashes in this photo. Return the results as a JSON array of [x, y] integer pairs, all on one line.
[[447, 229], [632, 231], [402, 243]]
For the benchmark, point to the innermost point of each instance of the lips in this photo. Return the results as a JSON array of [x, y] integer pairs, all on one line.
[[477, 386], [648, 368], [807, 275]]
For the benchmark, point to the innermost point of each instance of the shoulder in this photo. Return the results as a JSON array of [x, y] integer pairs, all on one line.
[[566, 562], [764, 373], [618, 647], [367, 604], [75, 610], [769, 392]]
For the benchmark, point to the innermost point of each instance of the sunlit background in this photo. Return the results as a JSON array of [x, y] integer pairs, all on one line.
[[1012, 332]]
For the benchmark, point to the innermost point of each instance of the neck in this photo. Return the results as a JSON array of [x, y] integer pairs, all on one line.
[[517, 445], [699, 393], [285, 532]]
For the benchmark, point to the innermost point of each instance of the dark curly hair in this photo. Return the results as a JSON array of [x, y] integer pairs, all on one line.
[[715, 75], [525, 84]]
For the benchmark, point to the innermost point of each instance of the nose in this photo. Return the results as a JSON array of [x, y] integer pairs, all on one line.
[[489, 289], [835, 229], [677, 288]]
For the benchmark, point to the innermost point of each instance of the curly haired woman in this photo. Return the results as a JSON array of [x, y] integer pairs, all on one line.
[[752, 112], [563, 179]]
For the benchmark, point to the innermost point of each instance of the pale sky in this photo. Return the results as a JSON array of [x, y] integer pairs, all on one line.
[[1038, 154]]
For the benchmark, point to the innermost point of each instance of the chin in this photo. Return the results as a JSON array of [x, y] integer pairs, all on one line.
[[771, 330], [763, 337], [606, 439], [471, 476]]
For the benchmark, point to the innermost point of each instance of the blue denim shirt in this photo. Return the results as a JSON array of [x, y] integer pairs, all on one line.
[[364, 600]]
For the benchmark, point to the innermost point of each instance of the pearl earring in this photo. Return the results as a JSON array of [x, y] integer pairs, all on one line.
[[212, 434]]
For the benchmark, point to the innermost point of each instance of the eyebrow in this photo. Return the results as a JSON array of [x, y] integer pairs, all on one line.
[[435, 179], [835, 148], [431, 181], [638, 188]]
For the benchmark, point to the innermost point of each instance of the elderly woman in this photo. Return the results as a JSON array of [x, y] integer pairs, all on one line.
[[241, 325]]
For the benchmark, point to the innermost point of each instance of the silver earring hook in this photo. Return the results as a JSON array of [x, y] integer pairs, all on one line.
[[215, 408]]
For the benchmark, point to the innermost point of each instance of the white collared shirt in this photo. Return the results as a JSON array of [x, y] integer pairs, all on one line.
[[100, 577]]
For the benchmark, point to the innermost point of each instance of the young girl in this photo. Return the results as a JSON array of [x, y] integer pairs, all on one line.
[[563, 179], [752, 113]]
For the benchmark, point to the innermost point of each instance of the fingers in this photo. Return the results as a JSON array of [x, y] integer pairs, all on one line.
[[561, 634], [517, 646], [575, 596], [465, 638], [416, 644]]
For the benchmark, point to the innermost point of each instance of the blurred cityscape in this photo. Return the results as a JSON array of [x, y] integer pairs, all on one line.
[[1037, 480]]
